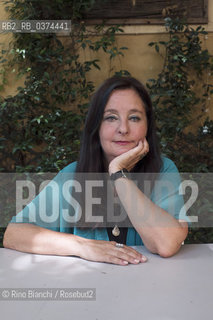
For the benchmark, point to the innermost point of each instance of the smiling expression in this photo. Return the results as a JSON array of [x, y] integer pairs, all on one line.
[[124, 123]]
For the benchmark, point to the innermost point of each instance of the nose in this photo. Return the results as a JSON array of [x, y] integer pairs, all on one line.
[[123, 127]]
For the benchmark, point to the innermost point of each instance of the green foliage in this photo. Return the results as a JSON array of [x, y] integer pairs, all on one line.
[[181, 95], [40, 126]]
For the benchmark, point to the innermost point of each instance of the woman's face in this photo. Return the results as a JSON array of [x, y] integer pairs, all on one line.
[[124, 123]]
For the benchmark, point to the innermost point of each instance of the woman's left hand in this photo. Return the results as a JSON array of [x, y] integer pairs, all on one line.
[[129, 159]]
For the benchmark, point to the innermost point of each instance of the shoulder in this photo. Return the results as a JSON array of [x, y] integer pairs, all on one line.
[[69, 168], [168, 165]]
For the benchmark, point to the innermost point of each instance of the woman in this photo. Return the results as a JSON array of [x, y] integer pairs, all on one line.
[[119, 136]]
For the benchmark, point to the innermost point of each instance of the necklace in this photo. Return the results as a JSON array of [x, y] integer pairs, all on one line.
[[116, 231]]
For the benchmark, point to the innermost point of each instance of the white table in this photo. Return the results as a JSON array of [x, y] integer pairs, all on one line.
[[180, 287]]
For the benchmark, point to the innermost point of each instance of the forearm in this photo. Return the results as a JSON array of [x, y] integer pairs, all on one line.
[[160, 231], [34, 239]]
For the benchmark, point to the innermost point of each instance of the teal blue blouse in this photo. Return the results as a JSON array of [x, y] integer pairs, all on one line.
[[55, 208]]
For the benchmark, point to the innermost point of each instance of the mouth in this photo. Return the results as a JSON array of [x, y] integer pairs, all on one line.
[[122, 143]]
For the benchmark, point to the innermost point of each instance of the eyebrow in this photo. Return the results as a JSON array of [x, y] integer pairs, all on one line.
[[132, 110]]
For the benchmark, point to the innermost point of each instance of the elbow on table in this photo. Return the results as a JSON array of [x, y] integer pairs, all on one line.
[[170, 247], [6, 242], [167, 253], [165, 250]]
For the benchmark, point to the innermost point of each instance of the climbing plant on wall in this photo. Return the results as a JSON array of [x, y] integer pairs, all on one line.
[[40, 126], [182, 94]]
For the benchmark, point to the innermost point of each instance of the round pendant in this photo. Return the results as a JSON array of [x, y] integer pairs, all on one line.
[[116, 231]]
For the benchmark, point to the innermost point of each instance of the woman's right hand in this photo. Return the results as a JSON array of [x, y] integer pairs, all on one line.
[[106, 251], [129, 158], [34, 239]]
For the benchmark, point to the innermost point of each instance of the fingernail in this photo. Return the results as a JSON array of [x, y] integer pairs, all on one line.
[[144, 259], [136, 260], [125, 262]]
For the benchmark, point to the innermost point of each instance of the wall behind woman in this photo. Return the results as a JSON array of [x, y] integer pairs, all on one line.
[[140, 59]]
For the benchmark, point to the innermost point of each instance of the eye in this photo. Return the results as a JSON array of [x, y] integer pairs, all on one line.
[[110, 118], [134, 118]]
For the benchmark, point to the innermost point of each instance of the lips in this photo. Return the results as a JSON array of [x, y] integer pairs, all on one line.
[[122, 143]]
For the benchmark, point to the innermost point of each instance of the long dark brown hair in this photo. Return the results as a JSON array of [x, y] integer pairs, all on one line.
[[92, 159]]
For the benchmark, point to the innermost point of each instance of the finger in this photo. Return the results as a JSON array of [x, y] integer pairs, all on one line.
[[146, 145], [129, 249], [136, 254], [140, 144], [144, 150], [136, 151], [120, 258], [133, 256], [121, 255], [116, 260]]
